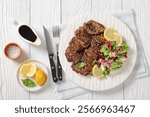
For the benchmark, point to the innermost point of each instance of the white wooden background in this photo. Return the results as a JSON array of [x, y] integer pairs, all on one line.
[[48, 12]]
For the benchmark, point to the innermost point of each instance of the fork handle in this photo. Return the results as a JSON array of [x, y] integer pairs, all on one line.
[[59, 68], [53, 69]]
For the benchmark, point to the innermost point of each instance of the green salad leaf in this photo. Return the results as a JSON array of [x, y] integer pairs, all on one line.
[[116, 65], [110, 54], [124, 48], [105, 50], [104, 70], [80, 64], [114, 45], [28, 83], [122, 58]]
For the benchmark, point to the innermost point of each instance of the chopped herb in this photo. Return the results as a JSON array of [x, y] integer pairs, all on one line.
[[28, 83], [94, 62], [106, 72], [80, 64]]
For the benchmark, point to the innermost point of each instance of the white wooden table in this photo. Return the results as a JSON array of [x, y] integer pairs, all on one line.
[[49, 12]]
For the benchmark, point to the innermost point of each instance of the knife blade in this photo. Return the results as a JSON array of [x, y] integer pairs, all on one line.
[[51, 55]]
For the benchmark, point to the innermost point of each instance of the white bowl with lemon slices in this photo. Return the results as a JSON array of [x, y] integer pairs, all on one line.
[[32, 75], [117, 31]]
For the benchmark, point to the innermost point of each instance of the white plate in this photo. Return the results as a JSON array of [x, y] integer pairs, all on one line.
[[112, 80], [19, 76]]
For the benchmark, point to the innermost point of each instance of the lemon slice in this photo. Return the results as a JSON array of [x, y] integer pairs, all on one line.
[[97, 72], [118, 39], [28, 69], [109, 34], [24, 69]]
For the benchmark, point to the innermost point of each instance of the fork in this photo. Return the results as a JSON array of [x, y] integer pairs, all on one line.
[[56, 36]]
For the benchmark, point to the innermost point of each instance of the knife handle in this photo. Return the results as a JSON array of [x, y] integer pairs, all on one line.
[[59, 68], [53, 69]]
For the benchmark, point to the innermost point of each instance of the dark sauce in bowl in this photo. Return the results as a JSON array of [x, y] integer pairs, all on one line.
[[27, 33]]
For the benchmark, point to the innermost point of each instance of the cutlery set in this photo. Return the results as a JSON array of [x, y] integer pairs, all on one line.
[[56, 72]]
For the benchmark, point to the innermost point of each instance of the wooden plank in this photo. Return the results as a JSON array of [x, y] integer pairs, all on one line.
[[73, 8], [44, 13], [70, 10], [1, 20], [139, 89], [17, 9], [107, 6]]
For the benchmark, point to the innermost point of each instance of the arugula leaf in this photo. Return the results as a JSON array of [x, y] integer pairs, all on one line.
[[28, 83], [80, 64]]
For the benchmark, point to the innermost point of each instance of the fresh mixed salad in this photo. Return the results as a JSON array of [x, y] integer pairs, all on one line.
[[111, 57]]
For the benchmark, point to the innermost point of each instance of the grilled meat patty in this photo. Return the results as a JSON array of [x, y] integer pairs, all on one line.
[[92, 27]]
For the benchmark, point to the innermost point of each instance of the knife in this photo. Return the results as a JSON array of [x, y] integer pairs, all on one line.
[[51, 55]]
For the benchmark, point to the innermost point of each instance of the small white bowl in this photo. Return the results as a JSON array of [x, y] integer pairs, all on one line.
[[37, 87]]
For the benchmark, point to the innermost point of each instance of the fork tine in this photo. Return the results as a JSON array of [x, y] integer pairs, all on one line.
[[55, 31], [58, 30]]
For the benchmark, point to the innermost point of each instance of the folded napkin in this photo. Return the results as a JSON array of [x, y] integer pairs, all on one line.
[[67, 89]]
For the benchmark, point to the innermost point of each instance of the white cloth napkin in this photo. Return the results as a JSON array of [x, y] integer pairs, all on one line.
[[67, 89]]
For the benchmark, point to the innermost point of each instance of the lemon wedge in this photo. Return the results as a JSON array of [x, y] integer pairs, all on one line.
[[28, 69], [40, 77], [97, 72]]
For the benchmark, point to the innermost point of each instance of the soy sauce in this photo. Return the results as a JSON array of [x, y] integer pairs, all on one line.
[[27, 33]]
